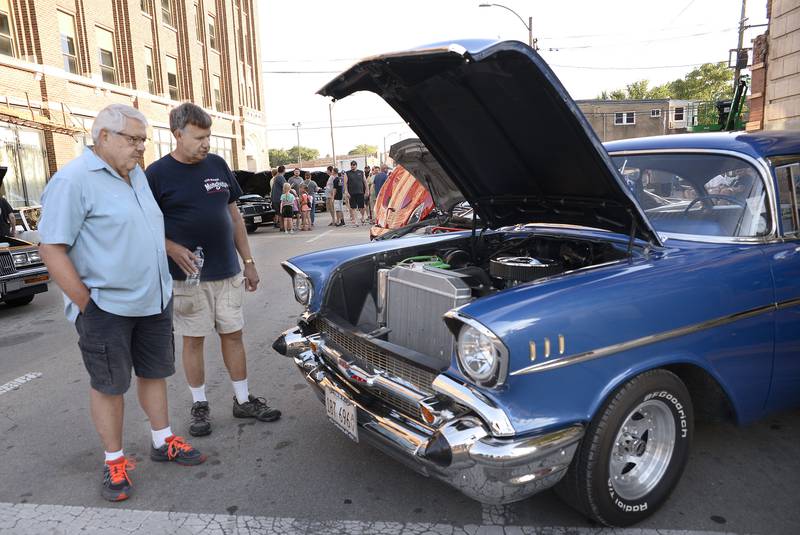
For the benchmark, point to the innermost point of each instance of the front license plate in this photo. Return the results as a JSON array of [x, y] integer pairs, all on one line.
[[257, 219], [342, 412]]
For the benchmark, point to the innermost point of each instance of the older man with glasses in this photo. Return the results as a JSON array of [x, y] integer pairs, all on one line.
[[102, 239]]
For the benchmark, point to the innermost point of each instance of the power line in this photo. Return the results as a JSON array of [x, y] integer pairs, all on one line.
[[594, 68], [337, 126]]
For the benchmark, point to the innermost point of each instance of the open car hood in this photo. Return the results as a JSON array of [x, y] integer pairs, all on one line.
[[415, 157], [505, 132]]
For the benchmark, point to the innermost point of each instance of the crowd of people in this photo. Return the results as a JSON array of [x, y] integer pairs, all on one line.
[[294, 199]]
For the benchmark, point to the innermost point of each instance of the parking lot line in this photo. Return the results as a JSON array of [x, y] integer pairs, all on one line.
[[33, 518], [315, 238], [19, 381]]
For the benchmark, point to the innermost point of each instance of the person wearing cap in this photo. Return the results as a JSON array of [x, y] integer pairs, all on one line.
[[355, 185]]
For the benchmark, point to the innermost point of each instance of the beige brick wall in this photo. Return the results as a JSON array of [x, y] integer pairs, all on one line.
[[782, 109], [84, 95], [600, 115]]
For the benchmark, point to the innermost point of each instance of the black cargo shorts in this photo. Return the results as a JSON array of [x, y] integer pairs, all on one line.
[[111, 345]]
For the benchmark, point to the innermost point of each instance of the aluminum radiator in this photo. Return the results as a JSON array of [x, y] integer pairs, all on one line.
[[416, 298]]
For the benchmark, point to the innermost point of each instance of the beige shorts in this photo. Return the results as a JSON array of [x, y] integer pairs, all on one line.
[[208, 307]]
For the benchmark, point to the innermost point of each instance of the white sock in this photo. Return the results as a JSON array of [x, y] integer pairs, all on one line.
[[113, 455], [160, 436], [241, 391], [199, 393]]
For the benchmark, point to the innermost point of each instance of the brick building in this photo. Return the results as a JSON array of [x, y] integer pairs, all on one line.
[[775, 93], [61, 61], [623, 119]]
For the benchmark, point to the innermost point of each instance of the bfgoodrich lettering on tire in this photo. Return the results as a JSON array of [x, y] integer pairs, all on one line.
[[634, 451]]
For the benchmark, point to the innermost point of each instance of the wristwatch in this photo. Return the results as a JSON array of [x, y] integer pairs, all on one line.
[[249, 261]]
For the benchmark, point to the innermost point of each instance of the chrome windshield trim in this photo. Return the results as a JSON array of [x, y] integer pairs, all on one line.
[[496, 418], [761, 166], [651, 339]]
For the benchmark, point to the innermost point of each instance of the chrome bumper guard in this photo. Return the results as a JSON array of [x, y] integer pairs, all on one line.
[[473, 450]]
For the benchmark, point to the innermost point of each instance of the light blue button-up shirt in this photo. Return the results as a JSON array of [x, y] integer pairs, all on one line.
[[114, 233]]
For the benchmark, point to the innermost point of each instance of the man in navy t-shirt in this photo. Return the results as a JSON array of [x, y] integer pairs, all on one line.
[[197, 193]]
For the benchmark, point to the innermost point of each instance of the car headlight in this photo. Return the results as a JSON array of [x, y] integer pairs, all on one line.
[[34, 257], [477, 354], [302, 288], [20, 259], [480, 354]]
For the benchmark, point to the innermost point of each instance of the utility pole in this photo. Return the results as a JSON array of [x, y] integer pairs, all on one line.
[[738, 71], [297, 127], [333, 146]]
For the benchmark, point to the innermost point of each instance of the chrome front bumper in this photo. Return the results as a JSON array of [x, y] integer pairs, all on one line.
[[475, 451]]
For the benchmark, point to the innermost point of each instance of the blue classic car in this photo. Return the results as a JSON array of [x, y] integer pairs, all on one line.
[[604, 299]]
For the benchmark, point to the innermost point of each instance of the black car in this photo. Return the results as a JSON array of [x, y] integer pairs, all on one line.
[[256, 211], [255, 204]]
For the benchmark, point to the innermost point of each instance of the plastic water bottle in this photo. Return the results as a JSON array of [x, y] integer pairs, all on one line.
[[194, 278]]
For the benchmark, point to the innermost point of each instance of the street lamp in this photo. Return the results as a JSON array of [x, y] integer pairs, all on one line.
[[297, 127], [529, 25]]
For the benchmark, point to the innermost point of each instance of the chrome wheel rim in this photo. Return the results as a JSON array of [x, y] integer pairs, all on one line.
[[642, 450]]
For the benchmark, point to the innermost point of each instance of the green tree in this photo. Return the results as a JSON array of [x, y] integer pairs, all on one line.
[[361, 150], [710, 81], [289, 156]]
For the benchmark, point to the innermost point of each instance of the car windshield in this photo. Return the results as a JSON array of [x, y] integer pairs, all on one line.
[[697, 194]]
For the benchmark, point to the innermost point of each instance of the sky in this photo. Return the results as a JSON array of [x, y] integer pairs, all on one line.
[[592, 45]]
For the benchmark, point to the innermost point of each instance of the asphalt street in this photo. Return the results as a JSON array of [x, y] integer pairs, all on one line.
[[301, 468]]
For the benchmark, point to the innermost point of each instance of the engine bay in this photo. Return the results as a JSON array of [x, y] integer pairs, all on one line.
[[399, 296]]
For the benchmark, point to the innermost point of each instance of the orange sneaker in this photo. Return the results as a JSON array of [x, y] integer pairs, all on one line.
[[177, 450], [117, 485]]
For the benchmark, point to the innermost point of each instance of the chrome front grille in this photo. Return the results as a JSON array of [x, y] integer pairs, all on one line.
[[381, 360], [6, 264]]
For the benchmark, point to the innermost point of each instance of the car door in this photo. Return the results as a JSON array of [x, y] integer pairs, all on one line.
[[784, 258]]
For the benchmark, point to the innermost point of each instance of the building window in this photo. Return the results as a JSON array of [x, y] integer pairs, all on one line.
[[198, 22], [66, 27], [105, 45], [222, 147], [212, 32], [147, 7], [625, 117], [655, 113], [166, 13], [217, 94], [203, 85], [163, 142], [148, 66], [6, 39], [679, 113], [172, 77]]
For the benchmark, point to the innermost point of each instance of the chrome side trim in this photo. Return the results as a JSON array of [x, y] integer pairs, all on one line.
[[649, 339], [499, 423], [788, 304], [502, 371], [766, 177]]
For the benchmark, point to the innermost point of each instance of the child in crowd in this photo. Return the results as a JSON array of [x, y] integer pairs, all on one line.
[[288, 201], [296, 209], [305, 208]]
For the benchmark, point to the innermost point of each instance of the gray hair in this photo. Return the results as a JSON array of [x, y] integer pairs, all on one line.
[[112, 118], [188, 113]]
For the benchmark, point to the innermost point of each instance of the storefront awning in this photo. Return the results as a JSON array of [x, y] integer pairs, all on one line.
[[39, 122]]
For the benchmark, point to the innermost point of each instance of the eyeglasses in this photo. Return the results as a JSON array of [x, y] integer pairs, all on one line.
[[133, 141]]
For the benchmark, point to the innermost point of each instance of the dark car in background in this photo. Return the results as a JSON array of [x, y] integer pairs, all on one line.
[[22, 272], [255, 204]]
